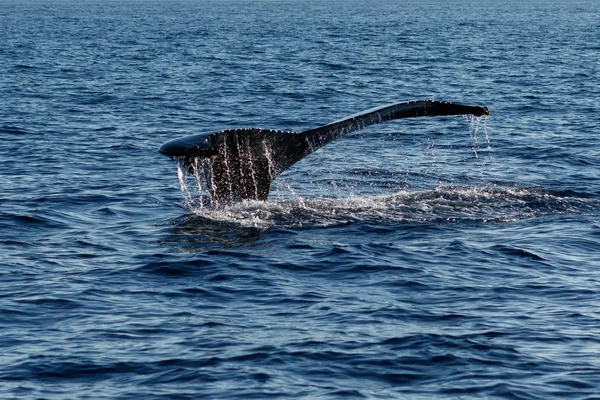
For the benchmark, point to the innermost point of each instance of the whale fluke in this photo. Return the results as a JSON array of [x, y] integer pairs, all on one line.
[[240, 164]]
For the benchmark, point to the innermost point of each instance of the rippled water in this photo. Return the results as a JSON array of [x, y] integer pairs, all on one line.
[[422, 258]]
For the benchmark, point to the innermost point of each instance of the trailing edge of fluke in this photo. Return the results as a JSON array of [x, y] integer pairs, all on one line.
[[240, 164]]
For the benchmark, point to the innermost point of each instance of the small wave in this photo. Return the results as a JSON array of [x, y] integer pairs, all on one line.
[[13, 130], [174, 269], [51, 303], [37, 220], [97, 98], [513, 251], [25, 66], [106, 129]]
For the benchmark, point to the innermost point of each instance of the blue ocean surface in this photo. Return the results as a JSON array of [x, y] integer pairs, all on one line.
[[442, 257]]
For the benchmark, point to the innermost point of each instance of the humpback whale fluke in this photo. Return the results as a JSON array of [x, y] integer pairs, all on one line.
[[240, 164]]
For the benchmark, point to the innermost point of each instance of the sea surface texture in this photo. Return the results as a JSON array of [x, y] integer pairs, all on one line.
[[425, 258]]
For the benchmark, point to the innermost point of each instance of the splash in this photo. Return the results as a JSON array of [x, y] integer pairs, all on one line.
[[440, 205]]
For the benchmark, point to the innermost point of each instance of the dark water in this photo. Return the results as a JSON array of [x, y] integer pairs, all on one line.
[[425, 258]]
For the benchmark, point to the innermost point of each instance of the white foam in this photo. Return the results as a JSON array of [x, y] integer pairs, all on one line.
[[440, 204]]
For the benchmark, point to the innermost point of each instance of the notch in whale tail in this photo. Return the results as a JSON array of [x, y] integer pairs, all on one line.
[[240, 164]]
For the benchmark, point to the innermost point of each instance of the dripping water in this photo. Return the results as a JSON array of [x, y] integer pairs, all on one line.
[[195, 187], [474, 124]]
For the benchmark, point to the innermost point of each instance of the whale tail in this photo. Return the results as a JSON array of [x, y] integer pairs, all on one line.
[[241, 164]]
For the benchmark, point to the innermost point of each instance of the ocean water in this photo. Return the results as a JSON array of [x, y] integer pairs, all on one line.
[[440, 258]]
